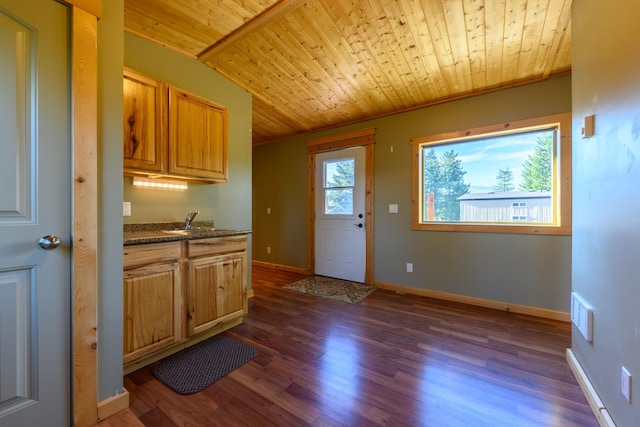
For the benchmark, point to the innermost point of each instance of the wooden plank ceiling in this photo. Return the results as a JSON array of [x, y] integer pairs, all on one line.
[[317, 64]]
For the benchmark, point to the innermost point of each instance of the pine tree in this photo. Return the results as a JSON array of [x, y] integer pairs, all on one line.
[[432, 177], [444, 177], [537, 173], [505, 181], [340, 200], [453, 186]]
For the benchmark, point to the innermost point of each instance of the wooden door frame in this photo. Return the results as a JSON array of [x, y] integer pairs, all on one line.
[[84, 152], [362, 137]]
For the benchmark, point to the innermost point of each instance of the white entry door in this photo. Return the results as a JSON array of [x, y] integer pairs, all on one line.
[[340, 236], [35, 188]]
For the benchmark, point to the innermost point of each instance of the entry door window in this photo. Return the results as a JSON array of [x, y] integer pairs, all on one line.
[[338, 186]]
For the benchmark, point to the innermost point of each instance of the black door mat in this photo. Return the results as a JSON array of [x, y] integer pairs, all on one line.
[[195, 368]]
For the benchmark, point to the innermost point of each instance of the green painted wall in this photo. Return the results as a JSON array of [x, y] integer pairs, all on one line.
[[606, 222], [518, 269], [229, 204], [109, 222]]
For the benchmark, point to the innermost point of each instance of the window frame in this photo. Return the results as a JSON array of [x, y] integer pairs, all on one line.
[[561, 184], [325, 188]]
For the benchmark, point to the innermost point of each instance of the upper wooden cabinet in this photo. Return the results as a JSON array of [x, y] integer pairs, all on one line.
[[170, 132], [144, 140], [197, 136]]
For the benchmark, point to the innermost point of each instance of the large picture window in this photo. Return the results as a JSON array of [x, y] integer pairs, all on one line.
[[512, 178]]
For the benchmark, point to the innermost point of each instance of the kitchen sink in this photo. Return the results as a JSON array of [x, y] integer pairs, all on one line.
[[192, 230]]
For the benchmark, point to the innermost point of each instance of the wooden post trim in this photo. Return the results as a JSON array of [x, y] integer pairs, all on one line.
[[92, 7], [85, 212]]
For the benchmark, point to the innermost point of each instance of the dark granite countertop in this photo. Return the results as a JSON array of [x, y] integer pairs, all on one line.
[[156, 232]]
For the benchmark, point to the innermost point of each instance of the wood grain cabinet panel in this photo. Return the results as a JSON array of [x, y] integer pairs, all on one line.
[[151, 309], [178, 293], [197, 137], [173, 133], [216, 291], [144, 136]]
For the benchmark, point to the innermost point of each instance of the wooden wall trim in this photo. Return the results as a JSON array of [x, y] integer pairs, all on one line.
[[343, 140], [311, 206], [113, 405], [280, 267], [85, 211], [481, 302], [92, 7], [358, 138]]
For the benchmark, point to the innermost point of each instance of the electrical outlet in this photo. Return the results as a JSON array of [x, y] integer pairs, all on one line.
[[625, 384], [582, 316], [268, 211], [268, 249], [409, 267], [126, 208]]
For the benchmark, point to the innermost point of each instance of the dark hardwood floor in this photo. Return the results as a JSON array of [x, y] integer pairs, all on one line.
[[395, 360]]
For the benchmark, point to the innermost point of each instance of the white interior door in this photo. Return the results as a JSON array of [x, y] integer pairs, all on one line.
[[35, 188], [340, 236]]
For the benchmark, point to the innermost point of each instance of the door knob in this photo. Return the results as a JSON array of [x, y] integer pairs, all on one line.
[[358, 225], [49, 242]]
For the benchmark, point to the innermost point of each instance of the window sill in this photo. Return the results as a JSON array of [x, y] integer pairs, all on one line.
[[552, 230]]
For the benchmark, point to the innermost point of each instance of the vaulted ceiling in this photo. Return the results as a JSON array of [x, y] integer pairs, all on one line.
[[316, 64]]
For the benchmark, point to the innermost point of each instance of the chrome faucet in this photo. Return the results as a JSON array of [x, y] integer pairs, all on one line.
[[189, 219]]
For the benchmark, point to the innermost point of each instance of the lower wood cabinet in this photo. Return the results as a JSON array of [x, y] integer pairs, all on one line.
[[215, 291], [178, 293], [152, 298]]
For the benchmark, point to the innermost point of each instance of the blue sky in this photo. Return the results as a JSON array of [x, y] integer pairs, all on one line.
[[482, 159]]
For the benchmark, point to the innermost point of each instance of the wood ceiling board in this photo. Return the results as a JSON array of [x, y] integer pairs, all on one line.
[[274, 12], [189, 25], [494, 12], [475, 29], [534, 40], [558, 55], [515, 13], [340, 60], [457, 34], [436, 23], [343, 52], [393, 48], [425, 52], [325, 63]]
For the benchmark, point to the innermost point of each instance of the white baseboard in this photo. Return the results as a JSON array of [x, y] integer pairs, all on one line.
[[598, 408]]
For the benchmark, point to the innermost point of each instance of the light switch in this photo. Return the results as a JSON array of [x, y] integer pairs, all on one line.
[[126, 208], [393, 208]]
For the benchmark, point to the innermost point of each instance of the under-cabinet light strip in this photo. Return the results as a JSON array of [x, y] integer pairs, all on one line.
[[168, 184]]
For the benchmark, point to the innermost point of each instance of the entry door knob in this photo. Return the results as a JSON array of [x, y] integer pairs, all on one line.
[[49, 242]]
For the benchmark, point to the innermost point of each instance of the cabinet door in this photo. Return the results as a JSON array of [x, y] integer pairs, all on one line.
[[152, 309], [144, 134], [197, 137], [216, 290]]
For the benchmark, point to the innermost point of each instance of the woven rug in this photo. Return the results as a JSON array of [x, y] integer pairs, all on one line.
[[195, 368], [336, 289]]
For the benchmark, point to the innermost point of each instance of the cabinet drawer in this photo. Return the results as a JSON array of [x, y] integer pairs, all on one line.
[[218, 245], [149, 253]]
